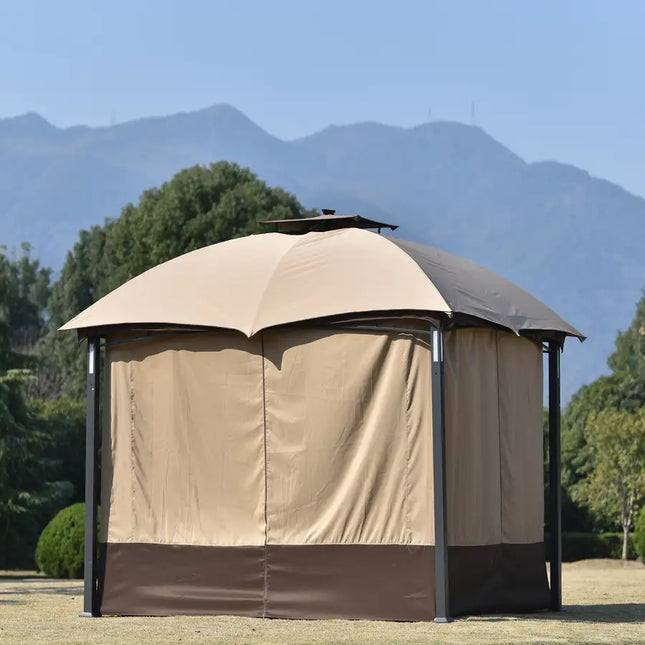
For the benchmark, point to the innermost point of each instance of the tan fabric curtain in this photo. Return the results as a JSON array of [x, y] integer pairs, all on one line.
[[348, 439], [472, 438], [494, 448], [187, 441], [349, 452], [520, 395], [347, 417]]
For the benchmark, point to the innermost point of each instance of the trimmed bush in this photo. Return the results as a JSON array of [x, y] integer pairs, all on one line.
[[615, 543], [583, 546], [59, 553], [639, 533]]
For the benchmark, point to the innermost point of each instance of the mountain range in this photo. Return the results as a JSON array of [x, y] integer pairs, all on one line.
[[572, 240]]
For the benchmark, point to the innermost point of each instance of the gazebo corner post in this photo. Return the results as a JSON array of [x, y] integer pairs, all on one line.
[[555, 493], [92, 484], [442, 609]]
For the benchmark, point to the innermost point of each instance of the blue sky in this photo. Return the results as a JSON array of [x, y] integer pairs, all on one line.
[[551, 80]]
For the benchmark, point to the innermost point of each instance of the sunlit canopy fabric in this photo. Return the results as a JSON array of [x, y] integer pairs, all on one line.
[[261, 281]]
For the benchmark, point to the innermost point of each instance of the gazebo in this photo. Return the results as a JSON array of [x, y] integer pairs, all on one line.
[[324, 422]]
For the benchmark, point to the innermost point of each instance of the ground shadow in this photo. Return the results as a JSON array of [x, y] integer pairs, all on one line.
[[610, 613], [29, 591], [18, 577]]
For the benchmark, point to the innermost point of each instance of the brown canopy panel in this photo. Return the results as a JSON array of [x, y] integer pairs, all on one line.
[[328, 221], [472, 290]]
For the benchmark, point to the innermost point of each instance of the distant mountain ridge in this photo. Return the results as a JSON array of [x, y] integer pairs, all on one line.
[[572, 240]]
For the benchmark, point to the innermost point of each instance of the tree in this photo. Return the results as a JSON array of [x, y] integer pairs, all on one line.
[[614, 483], [63, 421], [24, 292], [629, 355], [83, 281], [624, 389], [28, 489], [639, 533], [29, 485], [197, 207]]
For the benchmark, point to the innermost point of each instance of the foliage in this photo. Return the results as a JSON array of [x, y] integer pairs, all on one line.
[[615, 543], [197, 207], [629, 355], [63, 421], [59, 553], [577, 545], [30, 485], [639, 533], [29, 490], [623, 390], [24, 292], [614, 482], [575, 518]]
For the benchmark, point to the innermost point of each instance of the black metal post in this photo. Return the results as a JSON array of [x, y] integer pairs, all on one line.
[[555, 497], [442, 611], [90, 595]]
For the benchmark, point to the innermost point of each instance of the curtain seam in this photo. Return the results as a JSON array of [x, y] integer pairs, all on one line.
[[499, 443], [266, 482], [132, 447], [408, 427]]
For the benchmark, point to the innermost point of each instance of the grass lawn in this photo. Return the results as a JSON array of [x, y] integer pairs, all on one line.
[[605, 602]]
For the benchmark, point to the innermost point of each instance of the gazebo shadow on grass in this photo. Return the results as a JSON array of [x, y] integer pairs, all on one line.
[[609, 613], [11, 577], [11, 601], [54, 590]]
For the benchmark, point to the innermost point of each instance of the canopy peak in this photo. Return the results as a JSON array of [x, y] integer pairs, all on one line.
[[328, 221]]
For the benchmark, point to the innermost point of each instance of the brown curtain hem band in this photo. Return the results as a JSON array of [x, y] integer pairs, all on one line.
[[378, 582], [497, 578]]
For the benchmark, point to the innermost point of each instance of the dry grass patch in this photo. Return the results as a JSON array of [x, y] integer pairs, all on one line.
[[605, 603]]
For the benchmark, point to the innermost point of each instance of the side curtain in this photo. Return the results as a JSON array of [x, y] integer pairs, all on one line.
[[286, 475], [494, 454], [349, 475], [183, 477]]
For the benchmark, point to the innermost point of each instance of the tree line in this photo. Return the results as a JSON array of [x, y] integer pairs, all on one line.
[[603, 439], [42, 372]]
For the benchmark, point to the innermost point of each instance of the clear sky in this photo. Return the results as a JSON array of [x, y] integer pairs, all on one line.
[[561, 80]]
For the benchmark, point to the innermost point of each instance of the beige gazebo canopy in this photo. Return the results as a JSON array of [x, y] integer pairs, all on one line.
[[261, 281], [281, 437]]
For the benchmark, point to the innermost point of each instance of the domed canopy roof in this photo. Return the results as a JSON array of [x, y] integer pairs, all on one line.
[[261, 281]]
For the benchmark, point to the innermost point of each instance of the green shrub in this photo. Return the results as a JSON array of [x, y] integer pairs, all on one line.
[[583, 546], [59, 553], [615, 543], [639, 533]]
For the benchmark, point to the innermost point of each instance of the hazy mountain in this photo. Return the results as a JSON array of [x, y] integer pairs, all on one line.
[[572, 240]]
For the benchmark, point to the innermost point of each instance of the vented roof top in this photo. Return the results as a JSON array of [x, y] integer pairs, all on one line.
[[328, 221]]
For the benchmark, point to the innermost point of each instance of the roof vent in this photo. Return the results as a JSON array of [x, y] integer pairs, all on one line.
[[328, 221]]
